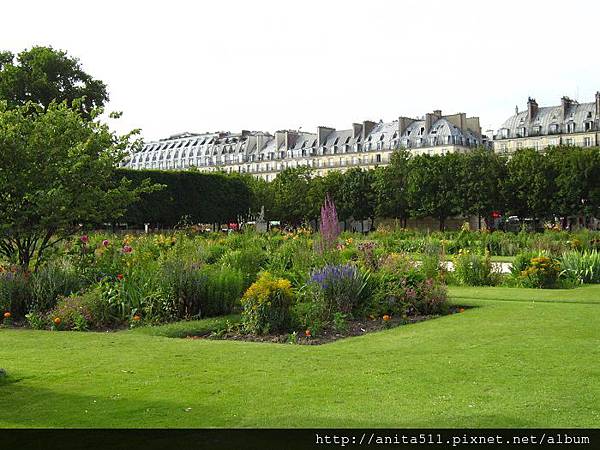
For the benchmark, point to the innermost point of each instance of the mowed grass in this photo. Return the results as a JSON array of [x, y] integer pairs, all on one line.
[[520, 358]]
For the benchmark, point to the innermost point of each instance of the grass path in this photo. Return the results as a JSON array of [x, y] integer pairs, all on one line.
[[504, 363]]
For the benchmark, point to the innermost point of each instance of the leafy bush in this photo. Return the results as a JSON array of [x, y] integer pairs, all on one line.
[[15, 292], [343, 288], [249, 261], [408, 294], [71, 313], [266, 305], [55, 279], [583, 267], [474, 270], [220, 290], [542, 272]]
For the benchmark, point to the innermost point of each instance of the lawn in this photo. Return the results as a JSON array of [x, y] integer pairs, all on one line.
[[521, 358]]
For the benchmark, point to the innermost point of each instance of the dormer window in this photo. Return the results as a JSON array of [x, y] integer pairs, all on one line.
[[571, 127], [589, 125]]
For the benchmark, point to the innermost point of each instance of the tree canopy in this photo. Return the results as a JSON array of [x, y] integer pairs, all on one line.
[[43, 75], [56, 172]]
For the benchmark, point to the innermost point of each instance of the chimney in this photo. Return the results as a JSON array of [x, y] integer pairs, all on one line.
[[403, 123], [532, 108], [598, 104], [429, 121], [356, 130], [367, 128], [280, 140], [565, 103], [438, 112], [322, 133], [473, 126], [290, 139]]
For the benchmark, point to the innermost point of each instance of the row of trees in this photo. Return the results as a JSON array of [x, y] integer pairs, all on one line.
[[563, 182]]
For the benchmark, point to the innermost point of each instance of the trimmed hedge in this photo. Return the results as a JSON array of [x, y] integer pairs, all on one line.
[[202, 197]]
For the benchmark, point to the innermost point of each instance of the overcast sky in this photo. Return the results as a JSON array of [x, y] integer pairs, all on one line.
[[174, 66]]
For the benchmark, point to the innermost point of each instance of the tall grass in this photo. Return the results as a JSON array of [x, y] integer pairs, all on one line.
[[582, 266]]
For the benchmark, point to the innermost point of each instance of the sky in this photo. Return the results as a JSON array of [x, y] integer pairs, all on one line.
[[175, 66]]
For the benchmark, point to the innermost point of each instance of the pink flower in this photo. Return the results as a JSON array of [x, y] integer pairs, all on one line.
[[127, 249], [85, 239], [106, 242]]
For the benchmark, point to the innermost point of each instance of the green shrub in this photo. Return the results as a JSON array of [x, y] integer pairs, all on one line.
[[55, 279], [542, 272], [182, 286], [408, 294], [266, 305], [249, 261], [15, 292], [343, 288], [471, 269], [220, 290], [582, 267], [70, 313]]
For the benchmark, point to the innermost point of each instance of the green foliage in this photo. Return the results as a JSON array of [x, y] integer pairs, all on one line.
[[248, 260], [43, 75], [55, 279], [185, 195], [15, 292], [71, 313], [42, 203], [432, 182], [290, 190], [584, 267], [221, 290], [344, 289], [471, 269], [266, 305], [541, 272]]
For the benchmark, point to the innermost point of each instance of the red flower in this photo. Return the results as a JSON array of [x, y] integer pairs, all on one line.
[[85, 239], [308, 333], [106, 242], [127, 249], [120, 277]]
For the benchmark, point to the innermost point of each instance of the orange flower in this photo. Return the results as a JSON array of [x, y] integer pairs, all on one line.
[[461, 310], [386, 317], [308, 333], [57, 321], [120, 277], [7, 315], [137, 318]]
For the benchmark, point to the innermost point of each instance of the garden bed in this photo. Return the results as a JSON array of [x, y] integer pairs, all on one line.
[[353, 328]]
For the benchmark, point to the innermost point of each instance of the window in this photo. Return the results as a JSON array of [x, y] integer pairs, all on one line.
[[587, 142], [569, 142], [571, 127], [378, 158]]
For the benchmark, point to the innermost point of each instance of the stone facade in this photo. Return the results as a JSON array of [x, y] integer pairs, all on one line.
[[367, 145], [570, 123]]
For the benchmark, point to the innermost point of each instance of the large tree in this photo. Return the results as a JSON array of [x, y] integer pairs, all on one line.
[[357, 197], [529, 185], [56, 172], [479, 183], [432, 186], [290, 191], [390, 185], [42, 75], [577, 181]]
